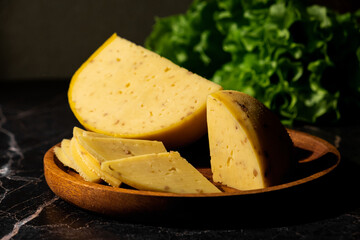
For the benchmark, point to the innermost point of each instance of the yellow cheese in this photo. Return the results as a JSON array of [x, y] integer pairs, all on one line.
[[80, 132], [94, 165], [249, 147], [64, 155], [105, 149], [59, 152], [164, 172], [96, 148], [61, 156], [80, 165], [65, 146], [125, 90]]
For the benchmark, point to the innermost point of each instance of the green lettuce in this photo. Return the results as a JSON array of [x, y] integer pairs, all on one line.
[[302, 61]]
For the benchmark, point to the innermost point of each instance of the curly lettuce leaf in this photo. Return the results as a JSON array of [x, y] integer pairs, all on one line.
[[302, 61]]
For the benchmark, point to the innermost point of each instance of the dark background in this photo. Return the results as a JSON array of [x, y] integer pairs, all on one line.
[[49, 39]]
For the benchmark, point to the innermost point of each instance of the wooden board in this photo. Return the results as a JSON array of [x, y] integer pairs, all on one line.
[[314, 158]]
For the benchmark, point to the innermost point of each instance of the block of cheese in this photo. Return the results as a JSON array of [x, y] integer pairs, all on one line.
[[61, 154], [125, 90], [105, 149], [94, 165], [249, 147], [81, 166], [164, 172]]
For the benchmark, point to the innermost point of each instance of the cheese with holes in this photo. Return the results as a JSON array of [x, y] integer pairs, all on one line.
[[125, 90], [249, 147], [164, 172], [105, 149], [81, 166]]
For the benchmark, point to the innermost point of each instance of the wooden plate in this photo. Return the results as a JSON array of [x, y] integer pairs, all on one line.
[[315, 158]]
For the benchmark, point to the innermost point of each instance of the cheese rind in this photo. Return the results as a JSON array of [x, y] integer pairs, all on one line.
[[249, 147], [125, 90], [164, 172]]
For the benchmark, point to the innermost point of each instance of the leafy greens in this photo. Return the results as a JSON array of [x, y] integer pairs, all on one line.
[[301, 60]]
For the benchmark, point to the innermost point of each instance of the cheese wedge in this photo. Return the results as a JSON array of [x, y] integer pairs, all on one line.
[[125, 90], [249, 147], [105, 149], [94, 165], [164, 172], [80, 165]]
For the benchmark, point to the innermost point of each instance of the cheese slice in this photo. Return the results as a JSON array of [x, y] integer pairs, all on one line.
[[164, 172], [80, 165], [81, 132], [105, 149], [96, 148], [94, 165], [59, 153], [64, 155], [249, 147], [125, 90]]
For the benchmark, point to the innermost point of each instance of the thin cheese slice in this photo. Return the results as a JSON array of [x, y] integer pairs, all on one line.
[[94, 165], [164, 172], [81, 132], [59, 152], [64, 155], [96, 148], [249, 147], [125, 90], [105, 149], [81, 166]]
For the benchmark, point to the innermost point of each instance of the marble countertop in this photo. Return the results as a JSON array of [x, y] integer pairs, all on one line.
[[34, 116]]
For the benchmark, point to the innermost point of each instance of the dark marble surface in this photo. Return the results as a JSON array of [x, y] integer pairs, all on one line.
[[35, 116]]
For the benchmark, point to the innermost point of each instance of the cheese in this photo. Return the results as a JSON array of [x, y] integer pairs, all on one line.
[[59, 152], [65, 146], [105, 149], [80, 132], [94, 165], [96, 148], [249, 147], [125, 90], [164, 172], [80, 165], [62, 156]]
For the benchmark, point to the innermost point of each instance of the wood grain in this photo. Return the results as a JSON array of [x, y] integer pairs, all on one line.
[[314, 158]]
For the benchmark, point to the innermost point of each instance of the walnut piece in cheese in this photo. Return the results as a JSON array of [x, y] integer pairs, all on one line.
[[163, 172], [249, 147], [125, 90]]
